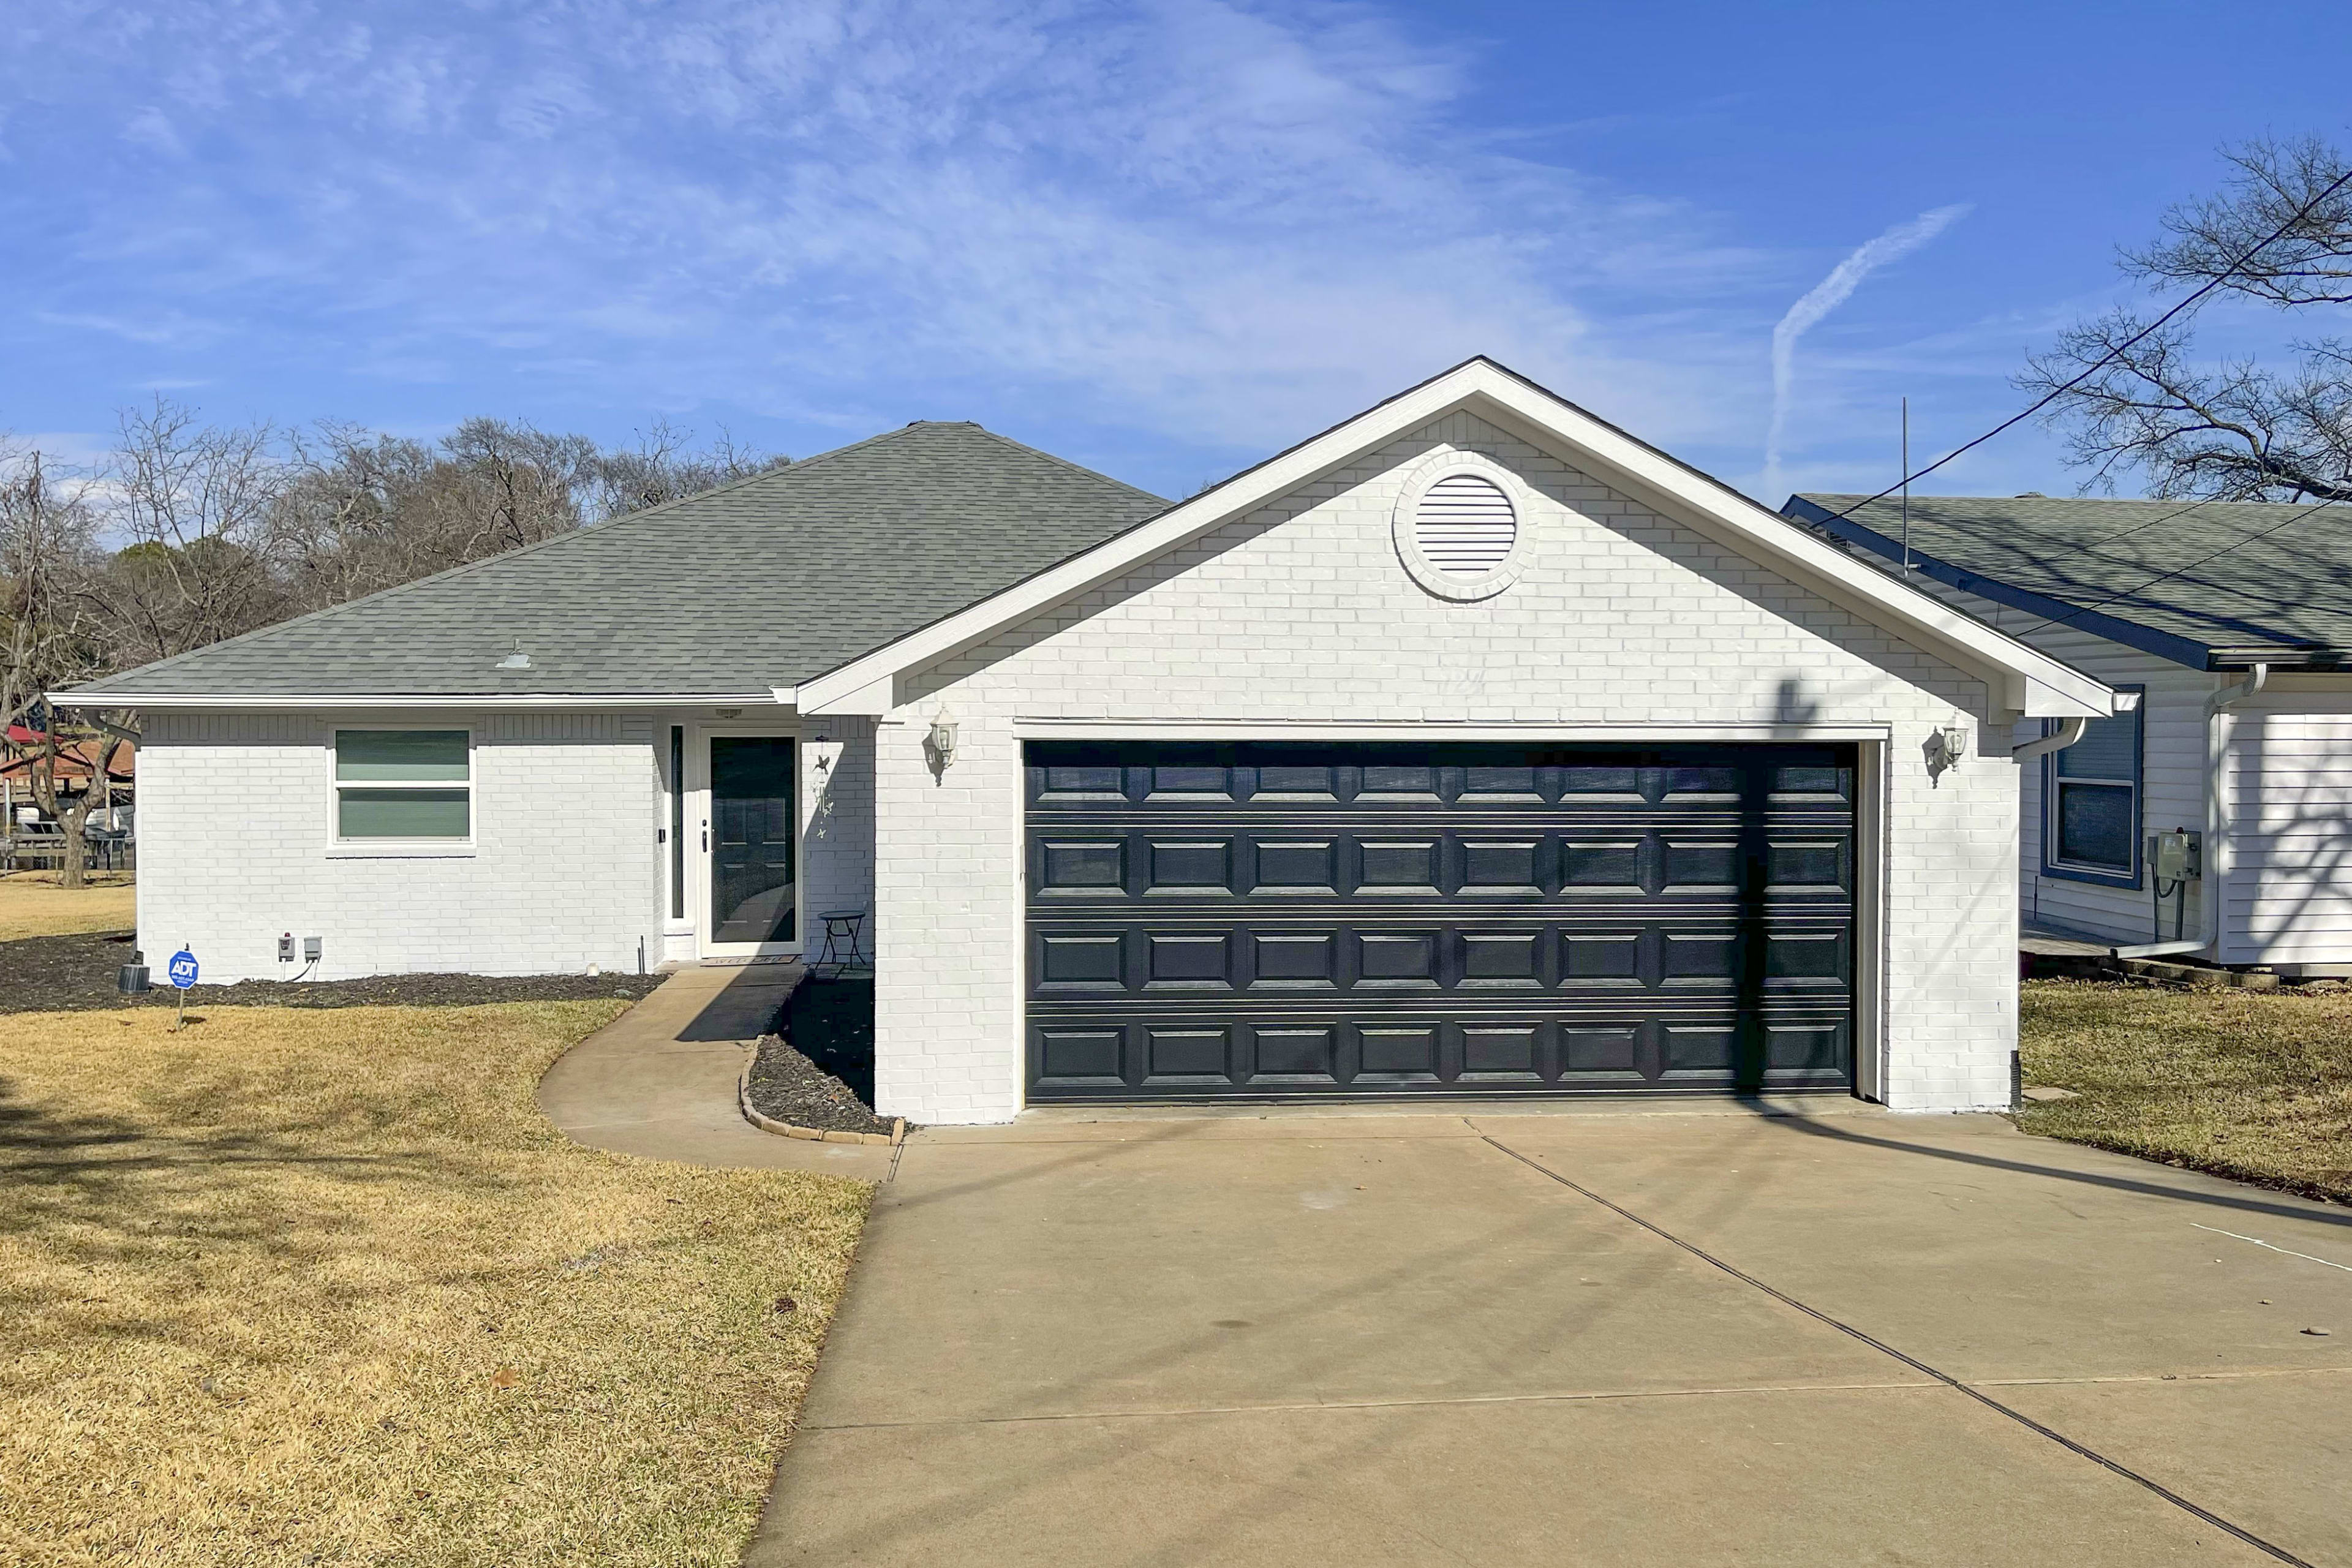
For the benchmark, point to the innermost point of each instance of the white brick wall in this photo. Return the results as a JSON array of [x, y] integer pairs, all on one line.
[[838, 837], [234, 816], [1303, 612], [234, 822]]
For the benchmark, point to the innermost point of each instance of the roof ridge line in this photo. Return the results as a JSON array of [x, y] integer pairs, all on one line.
[[1064, 463]]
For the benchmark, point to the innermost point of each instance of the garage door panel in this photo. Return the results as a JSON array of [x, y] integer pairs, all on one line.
[[1288, 920]]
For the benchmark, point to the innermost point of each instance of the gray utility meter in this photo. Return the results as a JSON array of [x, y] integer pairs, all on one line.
[[2177, 856], [2175, 859]]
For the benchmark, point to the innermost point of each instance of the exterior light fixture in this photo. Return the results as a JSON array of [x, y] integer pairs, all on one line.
[[1946, 747], [942, 737]]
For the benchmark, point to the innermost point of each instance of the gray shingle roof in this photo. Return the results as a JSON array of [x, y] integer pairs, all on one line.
[[2240, 582], [766, 581]]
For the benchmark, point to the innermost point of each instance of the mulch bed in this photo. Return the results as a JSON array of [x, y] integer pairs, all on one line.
[[816, 1069], [75, 974]]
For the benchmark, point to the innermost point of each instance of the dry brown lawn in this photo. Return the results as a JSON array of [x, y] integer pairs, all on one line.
[[2239, 1083], [32, 904], [323, 1287]]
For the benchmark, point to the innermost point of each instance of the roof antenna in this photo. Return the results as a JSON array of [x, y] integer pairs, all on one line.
[[1907, 486]]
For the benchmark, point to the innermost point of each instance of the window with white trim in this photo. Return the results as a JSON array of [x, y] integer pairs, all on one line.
[[405, 784], [2092, 803]]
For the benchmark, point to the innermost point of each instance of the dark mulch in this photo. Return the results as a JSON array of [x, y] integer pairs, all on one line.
[[76, 974], [817, 1068]]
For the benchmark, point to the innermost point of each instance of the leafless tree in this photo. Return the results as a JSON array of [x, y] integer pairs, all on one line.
[[194, 503], [50, 637], [663, 466], [362, 511], [2229, 429]]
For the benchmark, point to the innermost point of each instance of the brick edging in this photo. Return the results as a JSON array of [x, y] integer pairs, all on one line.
[[814, 1134]]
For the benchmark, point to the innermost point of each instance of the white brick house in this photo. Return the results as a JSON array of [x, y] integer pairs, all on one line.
[[1470, 747]]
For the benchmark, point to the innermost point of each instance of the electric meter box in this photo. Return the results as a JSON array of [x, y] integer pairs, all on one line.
[[2177, 856]]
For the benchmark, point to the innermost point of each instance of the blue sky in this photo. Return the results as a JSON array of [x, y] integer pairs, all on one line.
[[1162, 239]]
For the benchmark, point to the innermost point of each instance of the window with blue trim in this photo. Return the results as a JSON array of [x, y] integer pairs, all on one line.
[[2091, 803]]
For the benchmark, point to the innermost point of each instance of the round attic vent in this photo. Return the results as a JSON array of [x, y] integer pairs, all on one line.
[[1465, 525]]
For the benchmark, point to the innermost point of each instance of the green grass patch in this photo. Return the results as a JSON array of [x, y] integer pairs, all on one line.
[[2243, 1084]]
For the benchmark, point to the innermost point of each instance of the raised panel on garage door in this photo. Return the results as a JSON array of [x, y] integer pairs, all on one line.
[[1286, 919]]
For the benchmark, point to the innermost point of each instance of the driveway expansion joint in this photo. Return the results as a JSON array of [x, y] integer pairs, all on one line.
[[2157, 1487], [1308, 1406]]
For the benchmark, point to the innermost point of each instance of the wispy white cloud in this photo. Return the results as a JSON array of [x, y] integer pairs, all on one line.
[[1819, 301], [1214, 223]]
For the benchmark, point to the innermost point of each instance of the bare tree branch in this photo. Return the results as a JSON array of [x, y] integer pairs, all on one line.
[[2228, 429]]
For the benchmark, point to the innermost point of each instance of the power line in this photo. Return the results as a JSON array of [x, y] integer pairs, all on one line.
[[2167, 576], [2235, 266]]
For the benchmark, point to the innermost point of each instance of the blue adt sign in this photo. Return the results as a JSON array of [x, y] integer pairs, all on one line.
[[183, 969]]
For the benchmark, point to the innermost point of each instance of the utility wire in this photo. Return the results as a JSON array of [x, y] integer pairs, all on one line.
[[2235, 266]]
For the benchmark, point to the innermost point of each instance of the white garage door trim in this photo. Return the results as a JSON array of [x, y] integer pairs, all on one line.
[[1872, 1036]]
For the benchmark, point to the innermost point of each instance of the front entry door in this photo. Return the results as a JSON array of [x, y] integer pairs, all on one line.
[[752, 827]]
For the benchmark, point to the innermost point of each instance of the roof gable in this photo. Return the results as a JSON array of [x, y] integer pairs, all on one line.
[[2023, 679], [727, 594]]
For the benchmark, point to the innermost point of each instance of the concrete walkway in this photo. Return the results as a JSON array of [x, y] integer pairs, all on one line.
[[1572, 1339], [660, 1080]]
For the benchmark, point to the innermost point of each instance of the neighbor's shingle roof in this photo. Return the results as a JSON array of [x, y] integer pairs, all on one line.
[[766, 581], [2227, 596]]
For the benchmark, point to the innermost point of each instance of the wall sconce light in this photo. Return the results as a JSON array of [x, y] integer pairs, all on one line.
[[943, 739], [1946, 747]]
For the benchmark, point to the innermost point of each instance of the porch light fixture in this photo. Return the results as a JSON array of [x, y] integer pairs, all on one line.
[[942, 737], [1946, 747]]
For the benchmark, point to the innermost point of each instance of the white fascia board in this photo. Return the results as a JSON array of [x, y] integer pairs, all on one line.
[[2024, 679], [1171, 529], [872, 701], [158, 700]]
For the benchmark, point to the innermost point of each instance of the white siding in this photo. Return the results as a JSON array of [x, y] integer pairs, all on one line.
[[1303, 612], [2288, 799], [2285, 858]]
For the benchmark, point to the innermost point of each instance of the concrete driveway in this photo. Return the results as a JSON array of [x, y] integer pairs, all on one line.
[[1576, 1338]]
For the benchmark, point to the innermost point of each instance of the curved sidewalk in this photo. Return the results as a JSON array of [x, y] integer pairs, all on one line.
[[659, 1080]]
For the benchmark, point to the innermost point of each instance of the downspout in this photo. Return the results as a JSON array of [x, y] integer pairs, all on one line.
[[2217, 756], [2208, 892], [2068, 731]]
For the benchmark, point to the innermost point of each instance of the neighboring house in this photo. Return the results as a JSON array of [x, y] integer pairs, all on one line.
[[1471, 746], [2232, 622], [77, 764]]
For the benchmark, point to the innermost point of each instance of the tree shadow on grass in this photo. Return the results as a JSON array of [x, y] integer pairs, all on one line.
[[86, 1195]]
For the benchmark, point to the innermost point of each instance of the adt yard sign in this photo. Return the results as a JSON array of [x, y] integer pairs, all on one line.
[[183, 969]]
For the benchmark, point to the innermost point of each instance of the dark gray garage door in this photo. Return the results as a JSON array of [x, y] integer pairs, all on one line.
[[1263, 919]]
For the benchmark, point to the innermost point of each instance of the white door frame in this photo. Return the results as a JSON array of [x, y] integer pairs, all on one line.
[[699, 737]]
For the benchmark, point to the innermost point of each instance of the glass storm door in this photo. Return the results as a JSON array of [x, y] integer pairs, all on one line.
[[752, 825]]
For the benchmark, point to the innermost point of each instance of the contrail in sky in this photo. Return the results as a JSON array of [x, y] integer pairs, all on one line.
[[1827, 296]]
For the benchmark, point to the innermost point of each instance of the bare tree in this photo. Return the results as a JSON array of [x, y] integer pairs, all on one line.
[[2280, 234], [195, 503], [663, 466], [50, 637]]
